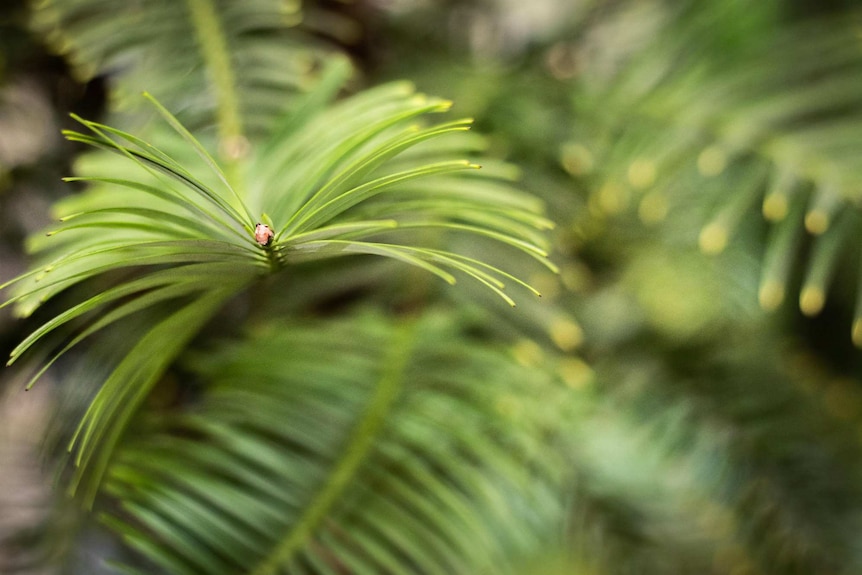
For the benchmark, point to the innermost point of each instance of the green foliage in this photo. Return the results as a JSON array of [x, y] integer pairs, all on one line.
[[164, 237], [190, 240], [237, 64], [704, 113], [263, 407], [344, 445]]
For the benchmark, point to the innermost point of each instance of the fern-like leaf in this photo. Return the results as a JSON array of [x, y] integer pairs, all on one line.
[[342, 445], [233, 64], [767, 120], [335, 184]]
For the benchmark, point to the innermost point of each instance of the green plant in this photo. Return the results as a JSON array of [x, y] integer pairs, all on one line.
[[261, 404], [166, 236]]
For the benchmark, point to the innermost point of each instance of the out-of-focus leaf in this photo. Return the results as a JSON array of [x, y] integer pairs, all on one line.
[[357, 444]]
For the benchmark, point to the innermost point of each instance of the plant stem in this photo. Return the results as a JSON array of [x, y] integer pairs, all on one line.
[[361, 442], [216, 56]]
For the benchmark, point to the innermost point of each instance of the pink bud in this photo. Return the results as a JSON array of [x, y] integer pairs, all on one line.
[[263, 235]]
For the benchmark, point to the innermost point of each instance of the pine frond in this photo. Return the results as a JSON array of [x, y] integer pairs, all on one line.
[[235, 64], [334, 184], [736, 451], [320, 447], [773, 119]]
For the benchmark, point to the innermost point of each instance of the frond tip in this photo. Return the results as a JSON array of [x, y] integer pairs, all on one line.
[[363, 176]]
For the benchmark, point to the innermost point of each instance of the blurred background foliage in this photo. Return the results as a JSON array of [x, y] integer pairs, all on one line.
[[684, 398]]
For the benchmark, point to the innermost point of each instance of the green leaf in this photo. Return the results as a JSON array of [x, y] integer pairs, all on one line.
[[238, 66], [129, 384], [176, 237], [340, 434], [718, 130]]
